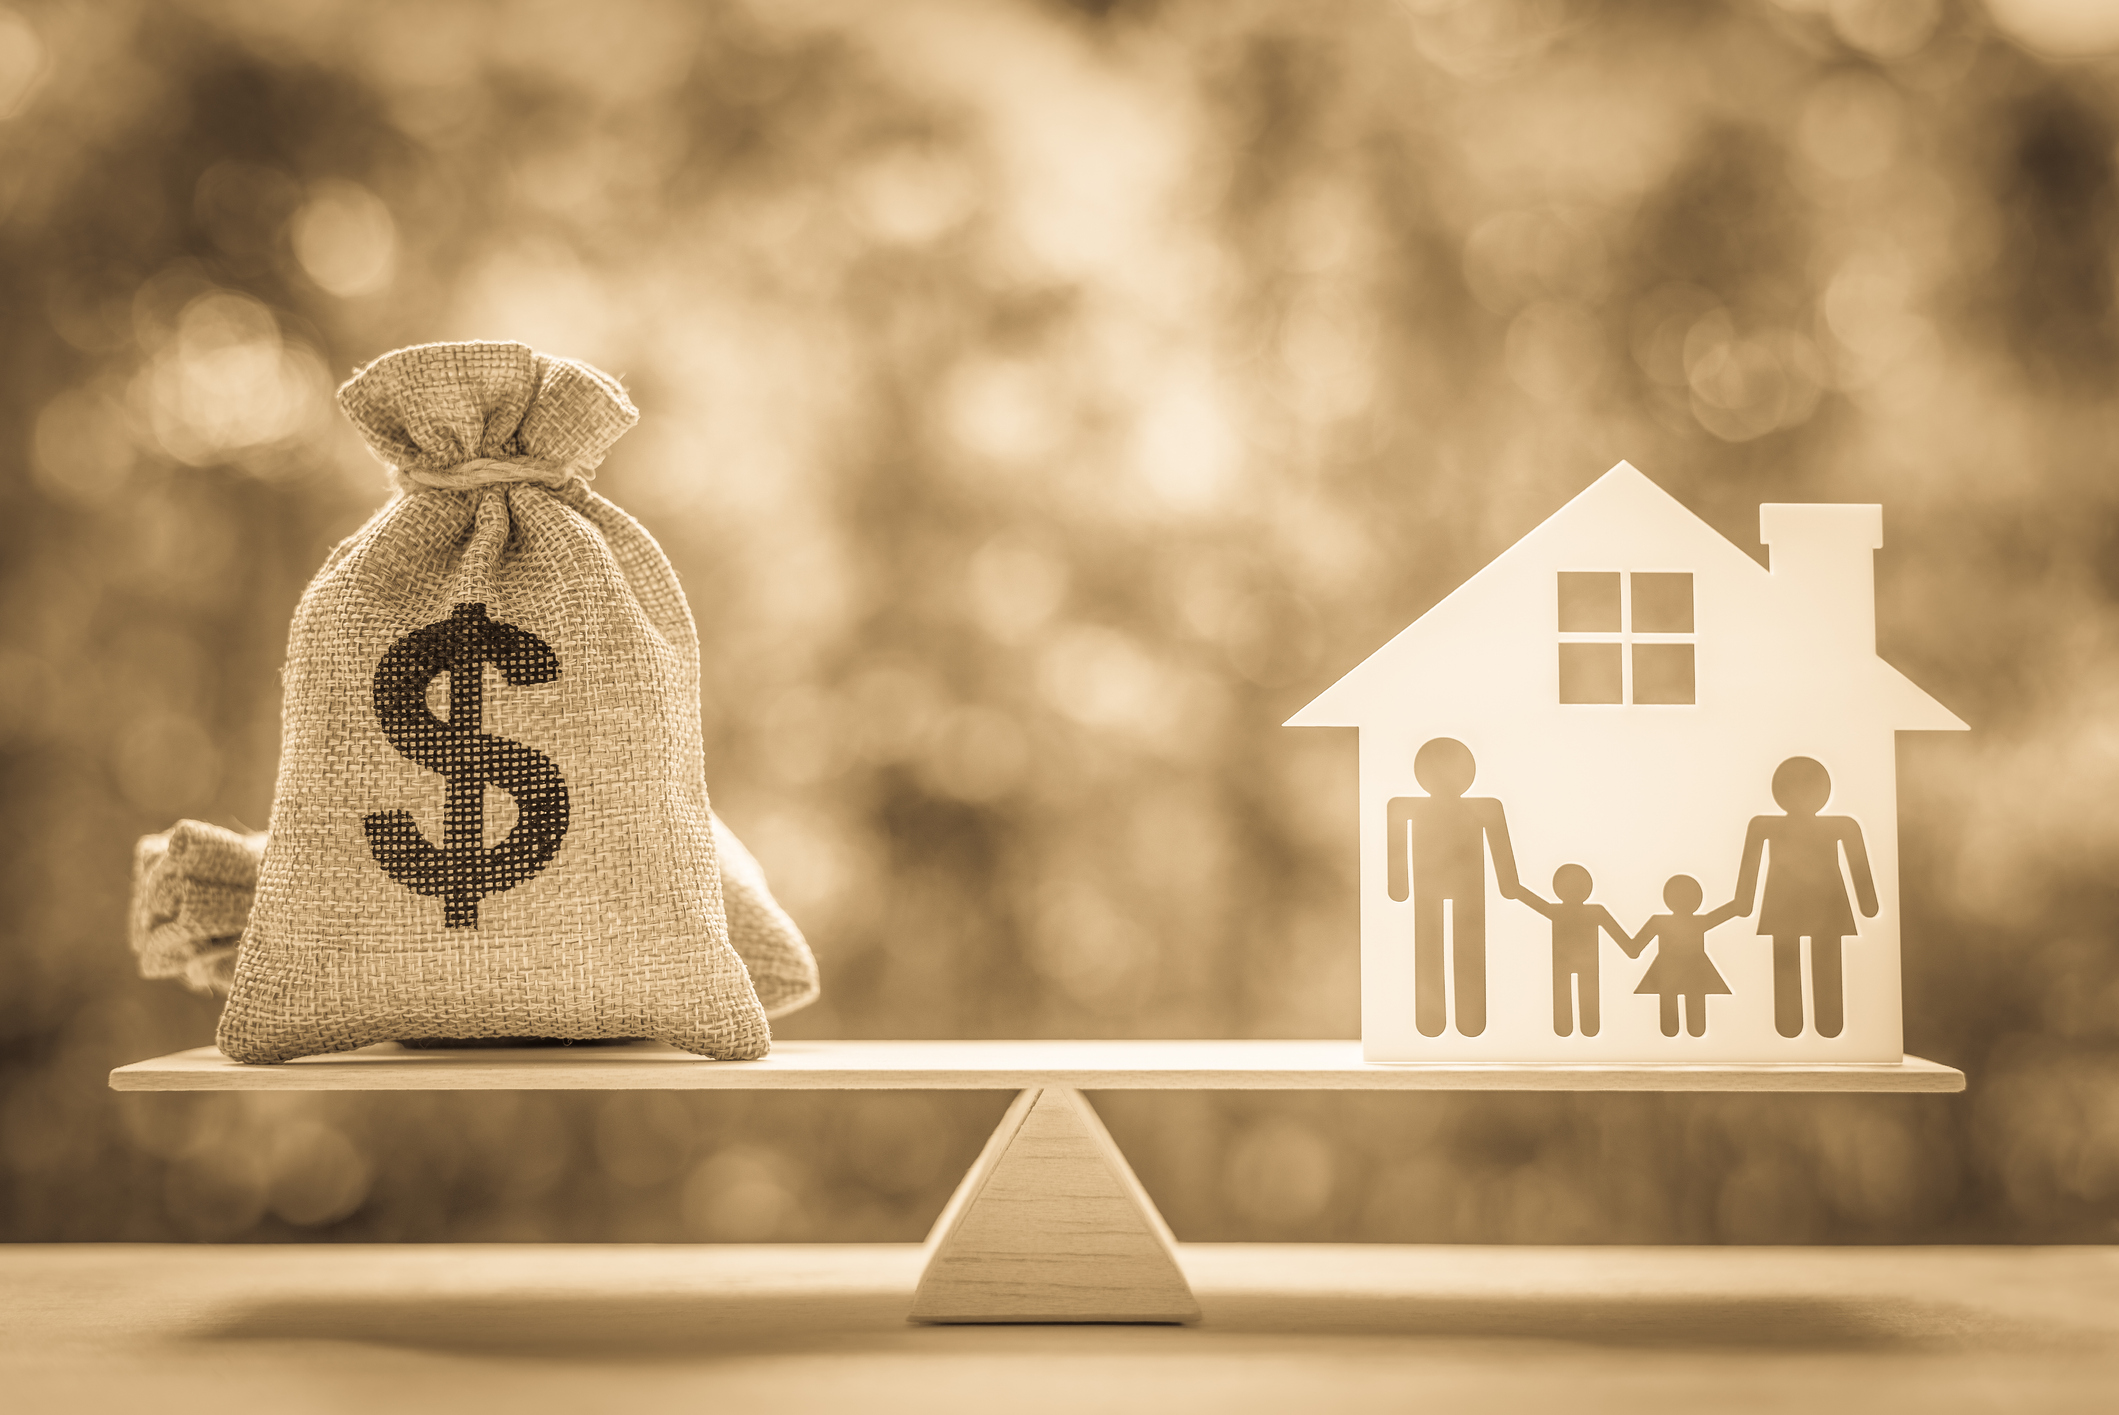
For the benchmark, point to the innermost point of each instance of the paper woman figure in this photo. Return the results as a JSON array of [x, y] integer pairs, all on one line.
[[1806, 895]]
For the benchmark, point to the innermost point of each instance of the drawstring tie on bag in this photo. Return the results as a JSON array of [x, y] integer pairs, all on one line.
[[485, 471], [457, 417]]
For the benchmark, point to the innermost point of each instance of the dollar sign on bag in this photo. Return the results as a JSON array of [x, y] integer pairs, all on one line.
[[463, 871]]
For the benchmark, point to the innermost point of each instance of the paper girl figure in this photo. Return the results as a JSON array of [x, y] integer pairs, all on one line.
[[1806, 895], [1575, 922], [1681, 967]]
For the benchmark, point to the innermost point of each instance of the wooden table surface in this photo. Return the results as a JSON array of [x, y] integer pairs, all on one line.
[[152, 1330]]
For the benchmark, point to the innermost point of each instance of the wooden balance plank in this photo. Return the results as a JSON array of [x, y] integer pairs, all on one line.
[[987, 1066]]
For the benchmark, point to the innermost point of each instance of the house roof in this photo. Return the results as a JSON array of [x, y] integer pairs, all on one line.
[[1622, 516]]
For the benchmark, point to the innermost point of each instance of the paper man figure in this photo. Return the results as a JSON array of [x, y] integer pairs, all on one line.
[[1682, 967], [1451, 834], [1806, 895], [1575, 922]]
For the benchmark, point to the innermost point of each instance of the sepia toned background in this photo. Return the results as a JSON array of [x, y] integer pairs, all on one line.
[[1040, 402]]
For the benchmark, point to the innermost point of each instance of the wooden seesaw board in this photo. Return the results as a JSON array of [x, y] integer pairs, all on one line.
[[1050, 1224]]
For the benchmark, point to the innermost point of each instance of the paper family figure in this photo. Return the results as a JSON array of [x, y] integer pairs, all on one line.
[[1451, 835], [1805, 894], [1575, 924], [1627, 699], [1682, 969]]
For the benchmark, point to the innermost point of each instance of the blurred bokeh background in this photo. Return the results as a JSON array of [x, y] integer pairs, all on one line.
[[1041, 402]]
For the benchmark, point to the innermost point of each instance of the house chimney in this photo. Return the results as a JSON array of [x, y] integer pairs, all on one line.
[[1824, 558]]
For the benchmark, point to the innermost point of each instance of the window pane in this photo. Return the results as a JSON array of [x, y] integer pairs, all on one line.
[[1662, 604], [1662, 673], [1589, 673], [1589, 602]]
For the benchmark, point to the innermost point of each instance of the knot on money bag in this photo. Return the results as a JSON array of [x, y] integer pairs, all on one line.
[[453, 417]]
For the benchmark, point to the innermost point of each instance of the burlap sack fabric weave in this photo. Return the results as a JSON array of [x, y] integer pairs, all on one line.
[[194, 884], [463, 853]]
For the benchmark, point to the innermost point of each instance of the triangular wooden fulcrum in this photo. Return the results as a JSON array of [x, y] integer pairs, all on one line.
[[1051, 1226]]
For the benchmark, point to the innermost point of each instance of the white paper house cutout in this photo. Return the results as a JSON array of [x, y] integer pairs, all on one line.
[[1782, 665]]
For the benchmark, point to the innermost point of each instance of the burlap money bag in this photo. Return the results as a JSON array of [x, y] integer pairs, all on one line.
[[491, 816]]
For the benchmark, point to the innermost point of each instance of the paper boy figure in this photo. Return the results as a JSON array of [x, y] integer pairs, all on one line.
[[1575, 922]]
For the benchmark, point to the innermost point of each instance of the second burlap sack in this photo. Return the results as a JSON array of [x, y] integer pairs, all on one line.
[[192, 888], [491, 816]]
